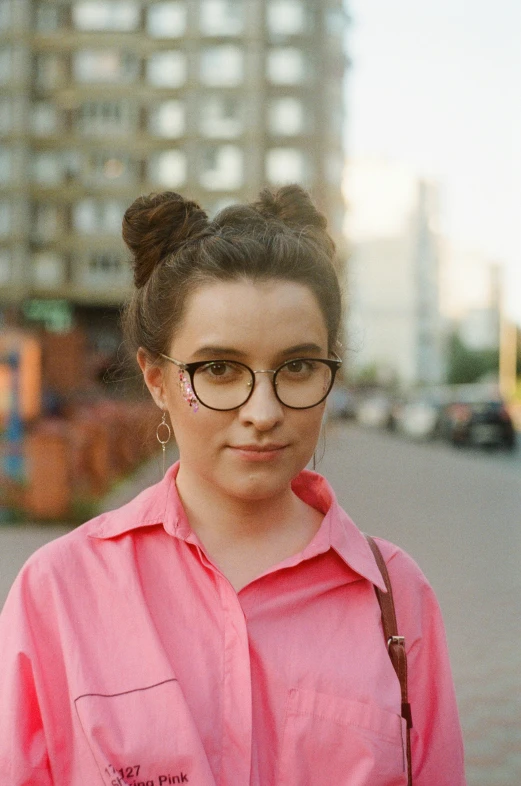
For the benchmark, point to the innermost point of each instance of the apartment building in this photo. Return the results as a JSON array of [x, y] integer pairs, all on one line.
[[101, 100], [394, 324]]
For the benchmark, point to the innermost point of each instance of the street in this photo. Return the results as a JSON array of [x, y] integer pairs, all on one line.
[[458, 514]]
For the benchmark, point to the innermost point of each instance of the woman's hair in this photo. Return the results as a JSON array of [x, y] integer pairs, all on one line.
[[176, 249]]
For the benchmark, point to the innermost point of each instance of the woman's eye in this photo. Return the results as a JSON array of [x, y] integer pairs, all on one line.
[[298, 366], [217, 369], [220, 371]]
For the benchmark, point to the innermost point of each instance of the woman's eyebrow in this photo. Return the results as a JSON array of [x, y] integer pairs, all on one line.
[[226, 352], [316, 348], [218, 352]]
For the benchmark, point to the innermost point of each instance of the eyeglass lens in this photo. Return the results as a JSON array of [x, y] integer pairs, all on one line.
[[227, 384]]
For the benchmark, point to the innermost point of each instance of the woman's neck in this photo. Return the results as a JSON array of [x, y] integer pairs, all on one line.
[[244, 537]]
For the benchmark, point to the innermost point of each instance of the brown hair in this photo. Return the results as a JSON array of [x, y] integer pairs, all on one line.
[[176, 248]]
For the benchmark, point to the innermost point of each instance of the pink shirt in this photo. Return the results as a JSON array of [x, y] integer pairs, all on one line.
[[128, 658]]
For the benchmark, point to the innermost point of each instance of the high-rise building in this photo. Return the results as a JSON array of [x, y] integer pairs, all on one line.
[[101, 100], [394, 327]]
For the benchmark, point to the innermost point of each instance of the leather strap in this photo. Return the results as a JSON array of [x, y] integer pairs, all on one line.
[[395, 644]]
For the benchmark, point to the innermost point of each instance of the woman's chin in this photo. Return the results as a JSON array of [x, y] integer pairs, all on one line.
[[258, 482]]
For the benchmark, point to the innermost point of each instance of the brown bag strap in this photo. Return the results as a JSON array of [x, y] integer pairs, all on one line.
[[395, 644]]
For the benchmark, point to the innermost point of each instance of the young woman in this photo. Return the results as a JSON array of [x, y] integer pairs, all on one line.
[[222, 629]]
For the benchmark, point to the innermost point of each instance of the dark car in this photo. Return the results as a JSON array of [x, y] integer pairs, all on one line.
[[477, 416], [341, 404]]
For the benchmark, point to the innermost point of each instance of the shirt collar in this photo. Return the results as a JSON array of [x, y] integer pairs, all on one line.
[[337, 530], [160, 505]]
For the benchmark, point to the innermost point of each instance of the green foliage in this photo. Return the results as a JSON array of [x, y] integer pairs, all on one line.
[[469, 365]]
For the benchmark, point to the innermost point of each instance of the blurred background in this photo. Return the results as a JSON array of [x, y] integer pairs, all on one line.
[[404, 121]]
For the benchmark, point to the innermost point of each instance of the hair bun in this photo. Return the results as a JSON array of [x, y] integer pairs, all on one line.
[[291, 205], [156, 226]]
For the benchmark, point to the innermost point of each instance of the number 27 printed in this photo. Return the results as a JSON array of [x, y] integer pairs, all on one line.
[[123, 772]]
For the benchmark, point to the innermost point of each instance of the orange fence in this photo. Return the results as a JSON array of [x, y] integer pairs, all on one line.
[[80, 458]]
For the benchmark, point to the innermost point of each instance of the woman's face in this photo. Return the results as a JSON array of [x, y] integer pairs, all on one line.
[[261, 324]]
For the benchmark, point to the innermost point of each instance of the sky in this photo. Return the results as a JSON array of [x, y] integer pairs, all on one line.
[[436, 86]]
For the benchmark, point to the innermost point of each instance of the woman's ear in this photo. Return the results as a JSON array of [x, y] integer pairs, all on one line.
[[153, 376]]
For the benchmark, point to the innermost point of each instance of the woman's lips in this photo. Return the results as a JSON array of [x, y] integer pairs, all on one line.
[[266, 452]]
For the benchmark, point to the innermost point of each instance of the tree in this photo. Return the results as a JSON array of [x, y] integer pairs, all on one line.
[[469, 365]]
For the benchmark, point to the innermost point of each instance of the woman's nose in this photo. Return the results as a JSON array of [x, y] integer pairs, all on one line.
[[263, 409]]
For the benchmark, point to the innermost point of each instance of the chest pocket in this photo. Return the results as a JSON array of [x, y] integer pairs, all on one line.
[[328, 739], [144, 737]]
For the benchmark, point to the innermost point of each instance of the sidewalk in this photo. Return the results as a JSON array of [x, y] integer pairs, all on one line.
[[146, 475], [19, 541]]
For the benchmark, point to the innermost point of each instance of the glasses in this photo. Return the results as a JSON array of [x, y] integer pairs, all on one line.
[[223, 385]]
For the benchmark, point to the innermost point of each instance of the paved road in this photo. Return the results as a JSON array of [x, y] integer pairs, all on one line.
[[459, 515]]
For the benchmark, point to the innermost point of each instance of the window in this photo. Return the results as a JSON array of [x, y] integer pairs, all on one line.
[[49, 70], [334, 169], [71, 162], [44, 224], [222, 66], [221, 116], [166, 20], [222, 17], [47, 168], [122, 15], [48, 269], [92, 216], [100, 118], [48, 17], [5, 218], [286, 116], [6, 115], [106, 168], [6, 64], [105, 65], [220, 204], [6, 14], [44, 118], [167, 168], [285, 165], [285, 17], [167, 69], [167, 119], [106, 268], [222, 168], [285, 66], [5, 267], [6, 158], [336, 22]]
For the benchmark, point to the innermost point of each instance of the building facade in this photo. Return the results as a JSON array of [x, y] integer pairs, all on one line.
[[394, 325], [473, 296], [101, 100]]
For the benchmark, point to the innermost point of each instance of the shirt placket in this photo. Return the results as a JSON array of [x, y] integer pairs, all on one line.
[[237, 700]]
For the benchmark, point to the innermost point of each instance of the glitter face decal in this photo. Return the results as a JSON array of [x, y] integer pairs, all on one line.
[[186, 390]]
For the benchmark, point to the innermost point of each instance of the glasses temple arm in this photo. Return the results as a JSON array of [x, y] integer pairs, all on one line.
[[173, 360]]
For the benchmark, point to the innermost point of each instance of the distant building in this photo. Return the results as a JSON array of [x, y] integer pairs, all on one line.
[[479, 328], [394, 327], [101, 100], [471, 296]]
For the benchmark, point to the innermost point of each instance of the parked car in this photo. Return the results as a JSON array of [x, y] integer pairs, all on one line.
[[341, 404], [417, 416], [375, 410], [477, 416]]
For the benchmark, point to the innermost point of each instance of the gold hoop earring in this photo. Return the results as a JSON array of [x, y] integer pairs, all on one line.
[[163, 442]]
